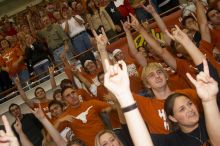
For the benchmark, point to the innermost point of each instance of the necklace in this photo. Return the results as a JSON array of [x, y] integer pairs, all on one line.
[[197, 138]]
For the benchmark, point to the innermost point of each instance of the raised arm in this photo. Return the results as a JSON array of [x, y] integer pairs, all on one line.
[[207, 89], [138, 56], [52, 79], [150, 9], [117, 81], [7, 137], [23, 95], [24, 140], [102, 42], [202, 20], [49, 127], [162, 52], [184, 40]]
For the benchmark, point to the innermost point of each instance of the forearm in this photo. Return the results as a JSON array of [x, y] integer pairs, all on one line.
[[131, 44], [52, 81], [53, 132], [212, 120], [163, 53], [133, 118], [24, 140], [202, 20], [23, 95], [162, 27], [194, 52], [104, 57], [83, 79], [138, 56]]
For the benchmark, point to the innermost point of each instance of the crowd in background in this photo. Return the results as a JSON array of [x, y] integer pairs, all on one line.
[[162, 94], [24, 34]]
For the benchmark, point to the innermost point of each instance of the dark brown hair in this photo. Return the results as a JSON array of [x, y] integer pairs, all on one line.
[[38, 89], [168, 107]]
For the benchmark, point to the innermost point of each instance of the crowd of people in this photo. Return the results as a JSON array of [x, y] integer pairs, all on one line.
[[164, 94]]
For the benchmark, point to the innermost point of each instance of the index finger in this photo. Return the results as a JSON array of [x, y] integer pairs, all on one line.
[[94, 33], [7, 126], [205, 67]]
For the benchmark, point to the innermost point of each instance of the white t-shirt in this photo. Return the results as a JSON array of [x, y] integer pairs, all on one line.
[[74, 27]]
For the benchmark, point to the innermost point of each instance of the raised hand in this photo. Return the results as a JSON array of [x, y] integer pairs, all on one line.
[[51, 69], [101, 39], [134, 23], [7, 138], [116, 79], [18, 126], [206, 86], [149, 8], [178, 35], [126, 25], [38, 113]]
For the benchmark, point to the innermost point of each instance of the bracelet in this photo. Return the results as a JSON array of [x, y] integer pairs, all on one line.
[[129, 108]]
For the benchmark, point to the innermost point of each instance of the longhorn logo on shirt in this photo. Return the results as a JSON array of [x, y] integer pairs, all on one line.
[[7, 57], [82, 116], [163, 116]]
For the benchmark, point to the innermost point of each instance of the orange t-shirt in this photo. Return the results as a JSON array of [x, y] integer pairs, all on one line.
[[87, 123], [215, 34], [182, 67], [152, 111], [207, 48], [10, 56], [136, 83], [83, 95], [101, 91]]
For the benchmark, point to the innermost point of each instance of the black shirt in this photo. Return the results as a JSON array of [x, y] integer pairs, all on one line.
[[197, 137], [31, 128], [36, 53]]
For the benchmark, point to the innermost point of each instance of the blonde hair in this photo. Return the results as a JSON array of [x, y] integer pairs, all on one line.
[[97, 138], [150, 68]]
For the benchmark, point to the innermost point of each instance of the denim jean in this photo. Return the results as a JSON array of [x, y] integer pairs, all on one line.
[[57, 52], [81, 42], [41, 68], [23, 76]]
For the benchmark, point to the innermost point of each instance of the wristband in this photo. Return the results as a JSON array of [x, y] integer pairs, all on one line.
[[129, 108]]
